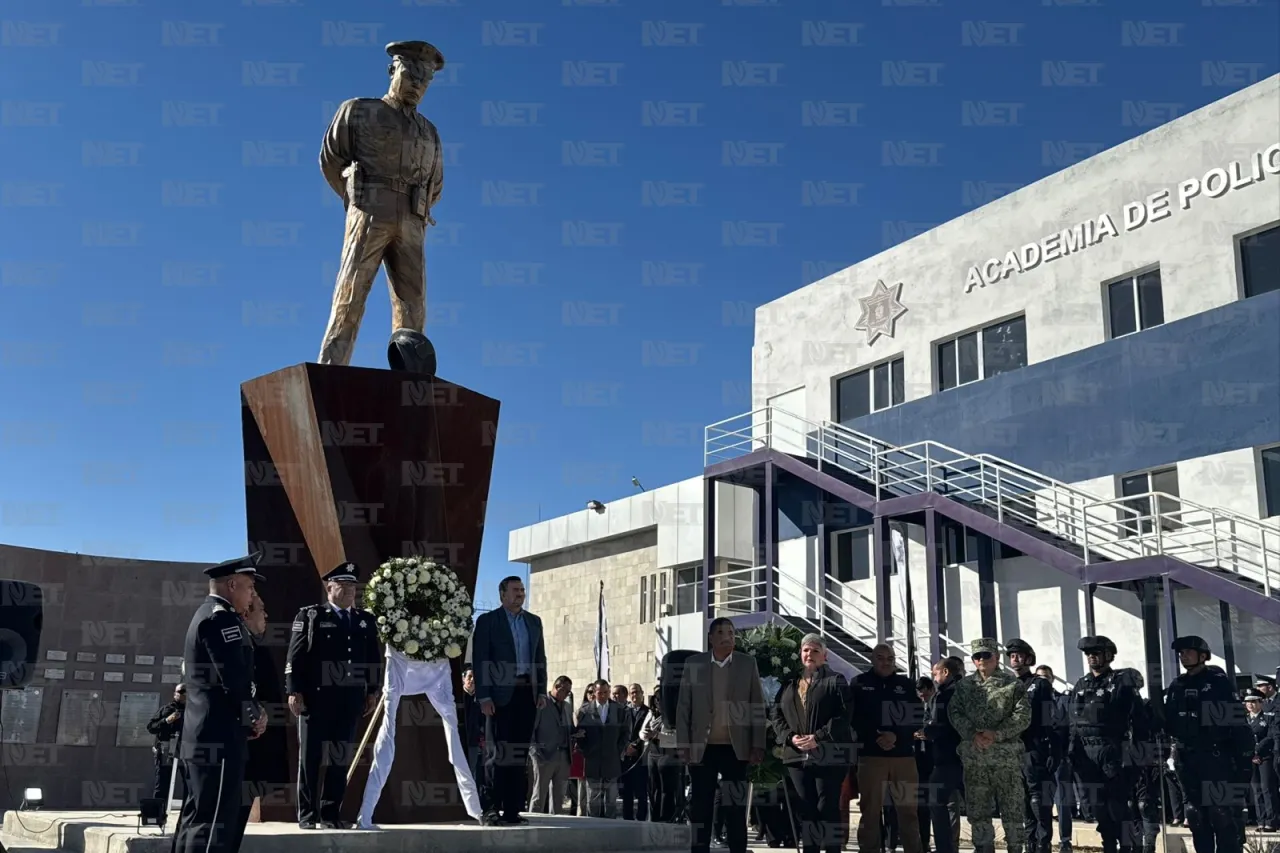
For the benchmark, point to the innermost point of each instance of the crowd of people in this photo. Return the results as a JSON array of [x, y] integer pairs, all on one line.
[[1000, 741]]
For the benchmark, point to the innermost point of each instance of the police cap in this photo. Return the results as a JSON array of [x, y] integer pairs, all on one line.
[[1262, 680], [984, 644], [1191, 641], [1253, 696], [239, 566], [345, 572], [417, 51], [1096, 644], [1020, 646]]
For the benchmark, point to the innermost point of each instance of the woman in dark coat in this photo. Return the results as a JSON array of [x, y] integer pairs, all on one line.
[[812, 724], [266, 772]]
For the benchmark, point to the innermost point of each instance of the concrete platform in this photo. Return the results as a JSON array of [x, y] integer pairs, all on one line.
[[87, 832]]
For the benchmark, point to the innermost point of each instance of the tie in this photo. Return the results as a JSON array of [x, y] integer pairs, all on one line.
[[346, 619]]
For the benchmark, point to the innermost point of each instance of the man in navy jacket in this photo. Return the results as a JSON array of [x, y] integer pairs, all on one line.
[[510, 664]]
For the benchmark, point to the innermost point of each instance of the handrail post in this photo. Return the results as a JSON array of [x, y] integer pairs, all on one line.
[[1266, 571], [928, 470], [982, 480], [999, 502], [768, 427], [1085, 518], [1217, 557]]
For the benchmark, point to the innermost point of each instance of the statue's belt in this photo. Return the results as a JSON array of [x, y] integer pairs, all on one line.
[[393, 184]]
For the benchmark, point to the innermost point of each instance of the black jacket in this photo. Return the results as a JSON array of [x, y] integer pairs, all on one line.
[[942, 736], [825, 715], [217, 667], [1039, 736], [269, 753], [327, 653], [885, 705], [160, 725]]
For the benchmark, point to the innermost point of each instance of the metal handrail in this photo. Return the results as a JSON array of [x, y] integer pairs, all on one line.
[[1113, 528]]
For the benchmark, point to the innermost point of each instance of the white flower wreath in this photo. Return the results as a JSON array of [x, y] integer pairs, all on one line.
[[423, 610]]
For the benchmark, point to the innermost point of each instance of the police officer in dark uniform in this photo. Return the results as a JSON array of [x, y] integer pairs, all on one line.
[[1144, 762], [1269, 768], [333, 678], [221, 714], [1212, 748], [1040, 758], [1106, 711]]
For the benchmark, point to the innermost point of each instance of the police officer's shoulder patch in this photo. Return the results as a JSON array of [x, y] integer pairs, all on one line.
[[232, 634], [297, 626]]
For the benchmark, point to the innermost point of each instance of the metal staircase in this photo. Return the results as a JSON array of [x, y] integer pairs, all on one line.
[[1239, 549]]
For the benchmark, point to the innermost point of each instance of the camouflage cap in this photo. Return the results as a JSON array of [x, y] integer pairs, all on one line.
[[984, 644]]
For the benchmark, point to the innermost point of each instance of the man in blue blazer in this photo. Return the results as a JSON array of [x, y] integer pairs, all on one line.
[[510, 665]]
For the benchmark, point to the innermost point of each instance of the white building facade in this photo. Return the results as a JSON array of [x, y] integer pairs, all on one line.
[[1054, 416]]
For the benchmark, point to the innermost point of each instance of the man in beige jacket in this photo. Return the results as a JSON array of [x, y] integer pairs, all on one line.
[[720, 729]]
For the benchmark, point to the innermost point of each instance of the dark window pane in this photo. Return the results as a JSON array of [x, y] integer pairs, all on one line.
[[688, 586], [853, 396], [1150, 299], [946, 365], [1165, 480], [1271, 480], [898, 383], [844, 557], [1004, 347], [860, 544], [967, 357], [1124, 320], [1134, 484], [644, 598], [880, 387], [1260, 262]]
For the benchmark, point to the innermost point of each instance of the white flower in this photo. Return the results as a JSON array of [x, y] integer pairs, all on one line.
[[402, 625], [398, 577], [776, 661], [422, 633], [411, 647], [382, 620], [452, 650], [412, 577], [389, 601]]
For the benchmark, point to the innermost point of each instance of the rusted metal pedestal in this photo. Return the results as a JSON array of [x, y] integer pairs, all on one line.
[[352, 463]]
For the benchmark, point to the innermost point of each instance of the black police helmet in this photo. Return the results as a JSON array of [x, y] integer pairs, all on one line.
[[1192, 642], [1095, 644]]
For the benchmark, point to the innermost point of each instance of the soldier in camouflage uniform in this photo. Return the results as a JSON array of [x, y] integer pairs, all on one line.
[[990, 712]]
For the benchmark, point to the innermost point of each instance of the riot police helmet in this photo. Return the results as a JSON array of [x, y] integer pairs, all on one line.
[[1022, 647], [1096, 644], [1191, 642]]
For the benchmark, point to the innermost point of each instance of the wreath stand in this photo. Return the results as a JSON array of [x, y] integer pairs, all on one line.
[[406, 677]]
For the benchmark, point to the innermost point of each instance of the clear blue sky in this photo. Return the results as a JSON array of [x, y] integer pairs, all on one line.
[[139, 138]]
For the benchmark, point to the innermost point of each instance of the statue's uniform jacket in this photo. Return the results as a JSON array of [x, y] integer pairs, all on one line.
[[384, 159]]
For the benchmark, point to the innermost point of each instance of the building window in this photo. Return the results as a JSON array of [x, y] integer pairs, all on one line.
[[1260, 262], [653, 598], [851, 554], [644, 599], [1135, 303], [688, 589], [1140, 518], [997, 349], [662, 594], [1271, 482], [870, 390]]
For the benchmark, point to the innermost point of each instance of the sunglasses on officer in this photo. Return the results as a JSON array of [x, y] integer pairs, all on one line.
[[982, 655]]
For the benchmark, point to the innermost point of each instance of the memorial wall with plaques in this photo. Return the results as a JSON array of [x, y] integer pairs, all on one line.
[[110, 654]]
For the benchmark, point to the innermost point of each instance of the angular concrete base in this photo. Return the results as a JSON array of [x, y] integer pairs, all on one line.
[[86, 832]]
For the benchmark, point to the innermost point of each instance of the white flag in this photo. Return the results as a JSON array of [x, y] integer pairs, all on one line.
[[602, 640]]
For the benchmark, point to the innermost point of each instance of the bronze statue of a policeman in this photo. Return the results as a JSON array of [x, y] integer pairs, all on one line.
[[384, 159]]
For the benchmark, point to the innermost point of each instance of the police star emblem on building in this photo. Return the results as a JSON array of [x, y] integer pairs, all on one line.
[[880, 311]]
